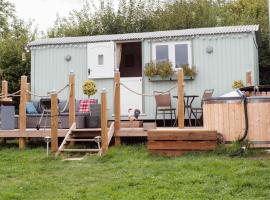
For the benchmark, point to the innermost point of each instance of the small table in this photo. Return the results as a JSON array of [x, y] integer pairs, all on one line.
[[188, 100]]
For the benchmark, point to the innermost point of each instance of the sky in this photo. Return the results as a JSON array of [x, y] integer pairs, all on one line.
[[44, 12]]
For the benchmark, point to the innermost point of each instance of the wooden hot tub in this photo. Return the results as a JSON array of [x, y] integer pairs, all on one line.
[[226, 115]]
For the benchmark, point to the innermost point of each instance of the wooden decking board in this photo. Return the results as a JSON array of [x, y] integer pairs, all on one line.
[[132, 132], [170, 153], [80, 140], [87, 130], [175, 142], [31, 133], [85, 134], [183, 135], [177, 130], [182, 145]]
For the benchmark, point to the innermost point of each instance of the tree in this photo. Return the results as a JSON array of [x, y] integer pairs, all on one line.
[[13, 40], [6, 14], [151, 15], [131, 16]]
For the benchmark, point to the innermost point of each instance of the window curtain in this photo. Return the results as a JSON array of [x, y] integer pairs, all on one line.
[[118, 54]]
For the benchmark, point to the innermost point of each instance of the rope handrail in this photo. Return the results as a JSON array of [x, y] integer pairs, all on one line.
[[48, 93], [36, 95], [14, 94], [150, 95], [61, 90], [67, 103]]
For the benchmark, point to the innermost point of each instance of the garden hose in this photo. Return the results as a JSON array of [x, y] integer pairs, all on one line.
[[240, 151], [246, 116]]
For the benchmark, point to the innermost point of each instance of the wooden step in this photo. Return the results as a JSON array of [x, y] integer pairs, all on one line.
[[80, 150], [87, 130], [132, 132], [175, 142], [80, 140], [182, 134]]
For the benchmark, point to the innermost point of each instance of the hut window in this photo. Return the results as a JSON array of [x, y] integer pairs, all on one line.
[[162, 53], [181, 55], [178, 53], [100, 59]]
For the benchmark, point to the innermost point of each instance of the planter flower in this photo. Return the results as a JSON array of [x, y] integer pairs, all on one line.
[[237, 84], [189, 71], [163, 71]]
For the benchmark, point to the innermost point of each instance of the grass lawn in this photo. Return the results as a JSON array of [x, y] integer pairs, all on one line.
[[128, 172]]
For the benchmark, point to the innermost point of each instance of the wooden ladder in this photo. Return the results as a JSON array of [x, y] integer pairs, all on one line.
[[92, 135]]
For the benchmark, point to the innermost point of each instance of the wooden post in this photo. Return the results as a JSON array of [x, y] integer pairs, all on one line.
[[72, 118], [28, 96], [248, 78], [22, 110], [4, 89], [104, 122], [54, 122], [180, 91], [117, 111]]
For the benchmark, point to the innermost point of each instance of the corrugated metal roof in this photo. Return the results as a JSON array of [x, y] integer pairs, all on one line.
[[147, 35]]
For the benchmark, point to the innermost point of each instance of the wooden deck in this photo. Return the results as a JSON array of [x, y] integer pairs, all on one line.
[[141, 132], [33, 133], [175, 142], [30, 133]]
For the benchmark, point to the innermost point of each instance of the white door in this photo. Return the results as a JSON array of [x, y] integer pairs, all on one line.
[[100, 60], [128, 98]]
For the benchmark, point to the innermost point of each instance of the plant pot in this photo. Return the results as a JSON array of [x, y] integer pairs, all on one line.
[[92, 121]]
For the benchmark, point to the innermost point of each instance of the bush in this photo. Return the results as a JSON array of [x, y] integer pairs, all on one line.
[[150, 69], [237, 84], [164, 69], [189, 71], [89, 87]]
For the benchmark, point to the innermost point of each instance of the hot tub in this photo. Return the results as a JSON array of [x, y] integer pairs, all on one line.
[[227, 116]]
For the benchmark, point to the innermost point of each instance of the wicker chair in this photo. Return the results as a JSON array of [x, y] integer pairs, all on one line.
[[199, 111], [164, 106]]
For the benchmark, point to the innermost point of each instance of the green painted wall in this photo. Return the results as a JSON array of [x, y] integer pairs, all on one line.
[[232, 56]]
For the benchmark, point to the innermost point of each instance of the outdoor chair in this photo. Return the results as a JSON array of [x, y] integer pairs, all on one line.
[[164, 106], [199, 111], [45, 105]]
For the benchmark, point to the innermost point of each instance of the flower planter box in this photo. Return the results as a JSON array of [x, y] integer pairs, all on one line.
[[170, 78]]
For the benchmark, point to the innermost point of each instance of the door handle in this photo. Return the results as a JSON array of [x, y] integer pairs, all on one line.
[[89, 71]]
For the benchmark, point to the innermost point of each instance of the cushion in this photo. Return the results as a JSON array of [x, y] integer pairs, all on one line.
[[77, 105], [30, 108], [37, 106], [62, 107], [95, 109], [85, 105]]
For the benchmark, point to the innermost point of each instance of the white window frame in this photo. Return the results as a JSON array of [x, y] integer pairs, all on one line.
[[171, 48]]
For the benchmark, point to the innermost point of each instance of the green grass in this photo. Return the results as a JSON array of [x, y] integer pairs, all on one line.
[[128, 172]]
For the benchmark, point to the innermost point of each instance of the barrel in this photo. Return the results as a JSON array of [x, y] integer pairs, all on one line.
[[226, 115]]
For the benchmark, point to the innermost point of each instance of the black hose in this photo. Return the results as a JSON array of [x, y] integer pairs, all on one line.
[[242, 149], [246, 119]]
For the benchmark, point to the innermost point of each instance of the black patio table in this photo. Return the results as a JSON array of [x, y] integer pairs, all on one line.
[[188, 100]]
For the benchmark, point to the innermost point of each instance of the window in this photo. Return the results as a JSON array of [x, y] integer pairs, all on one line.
[[181, 55], [162, 53], [178, 53], [100, 59]]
